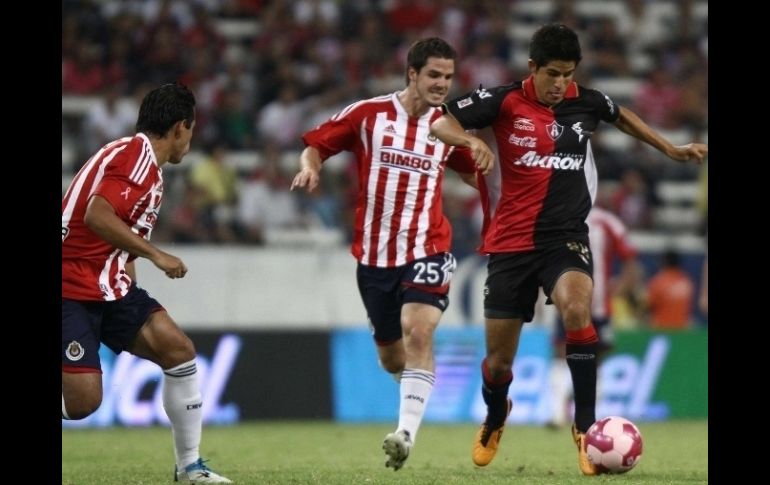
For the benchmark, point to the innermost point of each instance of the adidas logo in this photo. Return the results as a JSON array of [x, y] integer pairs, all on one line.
[[390, 129]]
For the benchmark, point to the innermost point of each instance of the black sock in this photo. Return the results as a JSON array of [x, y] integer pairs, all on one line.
[[581, 359], [495, 394]]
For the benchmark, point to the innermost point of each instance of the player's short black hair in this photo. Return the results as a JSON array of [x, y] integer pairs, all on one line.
[[165, 106], [554, 42], [421, 50]]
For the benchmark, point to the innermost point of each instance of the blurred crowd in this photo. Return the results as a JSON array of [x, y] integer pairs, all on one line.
[[264, 71]]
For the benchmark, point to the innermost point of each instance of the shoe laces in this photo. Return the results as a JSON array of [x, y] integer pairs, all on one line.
[[200, 465], [486, 432]]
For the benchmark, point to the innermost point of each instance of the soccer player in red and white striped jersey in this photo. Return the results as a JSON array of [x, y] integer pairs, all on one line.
[[401, 236], [108, 213]]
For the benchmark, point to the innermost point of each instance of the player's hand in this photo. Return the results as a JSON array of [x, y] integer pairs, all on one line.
[[307, 177], [691, 151], [482, 154], [170, 264]]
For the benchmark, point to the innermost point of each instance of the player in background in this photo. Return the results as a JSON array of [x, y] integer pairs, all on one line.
[[401, 237], [534, 228], [108, 213], [608, 240]]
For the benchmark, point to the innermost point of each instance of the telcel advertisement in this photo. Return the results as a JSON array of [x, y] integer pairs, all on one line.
[[650, 376]]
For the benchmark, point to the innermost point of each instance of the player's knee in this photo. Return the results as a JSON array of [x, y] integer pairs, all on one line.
[[575, 315], [419, 339], [392, 363], [83, 407], [182, 350], [499, 365]]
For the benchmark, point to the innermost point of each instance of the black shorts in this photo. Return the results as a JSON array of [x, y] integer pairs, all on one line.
[[513, 279], [86, 323], [385, 290]]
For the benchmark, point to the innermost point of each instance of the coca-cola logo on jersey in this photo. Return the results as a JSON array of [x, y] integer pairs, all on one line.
[[523, 141]]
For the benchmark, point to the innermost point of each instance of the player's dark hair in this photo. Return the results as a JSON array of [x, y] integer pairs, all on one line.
[[421, 50], [554, 42], [165, 106]]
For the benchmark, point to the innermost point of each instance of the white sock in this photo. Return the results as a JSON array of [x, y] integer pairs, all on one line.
[[64, 414], [416, 386], [182, 402], [560, 385]]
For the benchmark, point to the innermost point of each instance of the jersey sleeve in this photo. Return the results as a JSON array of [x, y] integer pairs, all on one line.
[[479, 108], [122, 184], [337, 134], [461, 160], [607, 108]]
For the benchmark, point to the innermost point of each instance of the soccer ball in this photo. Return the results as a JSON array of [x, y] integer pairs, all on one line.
[[614, 445]]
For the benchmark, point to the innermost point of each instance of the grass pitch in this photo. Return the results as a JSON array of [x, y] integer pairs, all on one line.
[[329, 453]]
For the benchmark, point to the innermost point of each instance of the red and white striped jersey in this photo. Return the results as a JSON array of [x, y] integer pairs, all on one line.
[[608, 239], [399, 215], [126, 173]]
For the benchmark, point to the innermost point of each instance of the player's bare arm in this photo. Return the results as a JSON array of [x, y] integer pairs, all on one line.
[[628, 122], [308, 176], [449, 130], [101, 219]]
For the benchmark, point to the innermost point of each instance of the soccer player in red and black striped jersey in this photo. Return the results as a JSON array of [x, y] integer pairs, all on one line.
[[108, 213], [534, 228], [401, 236]]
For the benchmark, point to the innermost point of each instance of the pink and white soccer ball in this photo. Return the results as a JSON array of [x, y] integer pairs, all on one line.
[[614, 444]]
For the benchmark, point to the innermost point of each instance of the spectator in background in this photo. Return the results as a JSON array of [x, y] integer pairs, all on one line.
[[608, 239], [280, 120], [265, 205], [402, 238], [187, 224], [631, 201], [233, 121], [109, 118], [659, 100], [609, 50], [82, 72], [216, 186], [670, 295], [482, 67]]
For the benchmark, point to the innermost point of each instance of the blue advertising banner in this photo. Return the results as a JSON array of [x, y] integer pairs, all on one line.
[[362, 391], [650, 376]]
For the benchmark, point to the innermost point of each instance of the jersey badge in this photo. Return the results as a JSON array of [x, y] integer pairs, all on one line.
[[464, 102], [75, 351], [554, 130]]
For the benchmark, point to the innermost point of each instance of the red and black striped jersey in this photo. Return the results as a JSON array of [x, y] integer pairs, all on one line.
[[544, 183]]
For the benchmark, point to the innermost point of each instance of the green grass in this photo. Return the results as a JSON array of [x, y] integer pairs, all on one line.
[[328, 453]]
